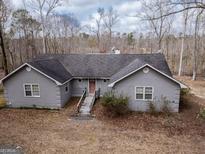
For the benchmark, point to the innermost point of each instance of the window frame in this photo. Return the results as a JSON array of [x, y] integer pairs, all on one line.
[[139, 93], [143, 99], [31, 85]]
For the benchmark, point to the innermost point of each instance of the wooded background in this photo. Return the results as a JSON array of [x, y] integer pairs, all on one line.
[[38, 29]]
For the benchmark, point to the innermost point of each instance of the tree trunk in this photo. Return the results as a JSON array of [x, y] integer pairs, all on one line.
[[3, 51], [195, 46], [98, 39], [11, 59], [43, 30], [182, 44], [160, 43], [44, 40], [26, 44], [33, 51], [20, 48], [181, 56], [110, 38]]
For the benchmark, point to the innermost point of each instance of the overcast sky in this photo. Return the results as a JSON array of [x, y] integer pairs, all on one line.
[[83, 9]]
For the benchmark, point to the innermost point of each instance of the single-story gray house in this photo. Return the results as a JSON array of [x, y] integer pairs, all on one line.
[[49, 81]]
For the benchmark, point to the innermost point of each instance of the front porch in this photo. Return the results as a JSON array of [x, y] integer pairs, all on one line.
[[86, 102]]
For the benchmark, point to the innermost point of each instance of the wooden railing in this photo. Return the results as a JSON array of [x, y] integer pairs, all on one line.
[[96, 96], [81, 100], [97, 93]]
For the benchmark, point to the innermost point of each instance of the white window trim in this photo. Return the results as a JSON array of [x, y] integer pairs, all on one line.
[[144, 93], [31, 89]]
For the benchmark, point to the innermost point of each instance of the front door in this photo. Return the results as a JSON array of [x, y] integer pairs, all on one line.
[[91, 86]]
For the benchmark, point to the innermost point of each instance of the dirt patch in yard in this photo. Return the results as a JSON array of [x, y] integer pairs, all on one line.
[[197, 87], [54, 131], [186, 122]]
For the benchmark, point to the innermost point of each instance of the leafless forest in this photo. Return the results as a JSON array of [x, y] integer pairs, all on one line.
[[38, 29]]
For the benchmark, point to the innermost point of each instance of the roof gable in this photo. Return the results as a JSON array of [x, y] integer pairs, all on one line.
[[52, 68], [46, 72], [117, 78]]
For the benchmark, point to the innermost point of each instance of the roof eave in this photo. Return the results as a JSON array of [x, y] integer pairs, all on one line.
[[183, 86], [56, 82]]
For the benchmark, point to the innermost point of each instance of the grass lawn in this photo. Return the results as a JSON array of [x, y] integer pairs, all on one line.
[[53, 131]]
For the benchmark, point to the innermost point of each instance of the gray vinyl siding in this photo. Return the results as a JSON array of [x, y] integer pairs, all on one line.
[[53, 96], [102, 85], [65, 95], [78, 86], [163, 87], [14, 90]]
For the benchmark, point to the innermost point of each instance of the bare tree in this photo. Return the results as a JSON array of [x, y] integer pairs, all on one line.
[[44, 8], [22, 22], [96, 29], [181, 6], [111, 18], [160, 27], [71, 28], [178, 6], [4, 12], [98, 22], [196, 49], [185, 18]]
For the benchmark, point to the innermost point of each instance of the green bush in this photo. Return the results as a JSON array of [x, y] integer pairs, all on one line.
[[116, 105], [1, 90], [202, 113], [2, 102], [184, 91]]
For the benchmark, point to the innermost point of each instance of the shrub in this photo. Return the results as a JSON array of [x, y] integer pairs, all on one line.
[[116, 105], [152, 108], [184, 91], [1, 90], [164, 102], [2, 102], [165, 107], [202, 113]]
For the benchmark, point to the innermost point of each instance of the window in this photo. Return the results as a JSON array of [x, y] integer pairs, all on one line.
[[28, 90], [66, 88], [148, 93], [139, 92], [144, 93], [32, 90]]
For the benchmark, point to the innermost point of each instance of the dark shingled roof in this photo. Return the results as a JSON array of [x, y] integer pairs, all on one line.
[[62, 67], [53, 68], [156, 60]]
